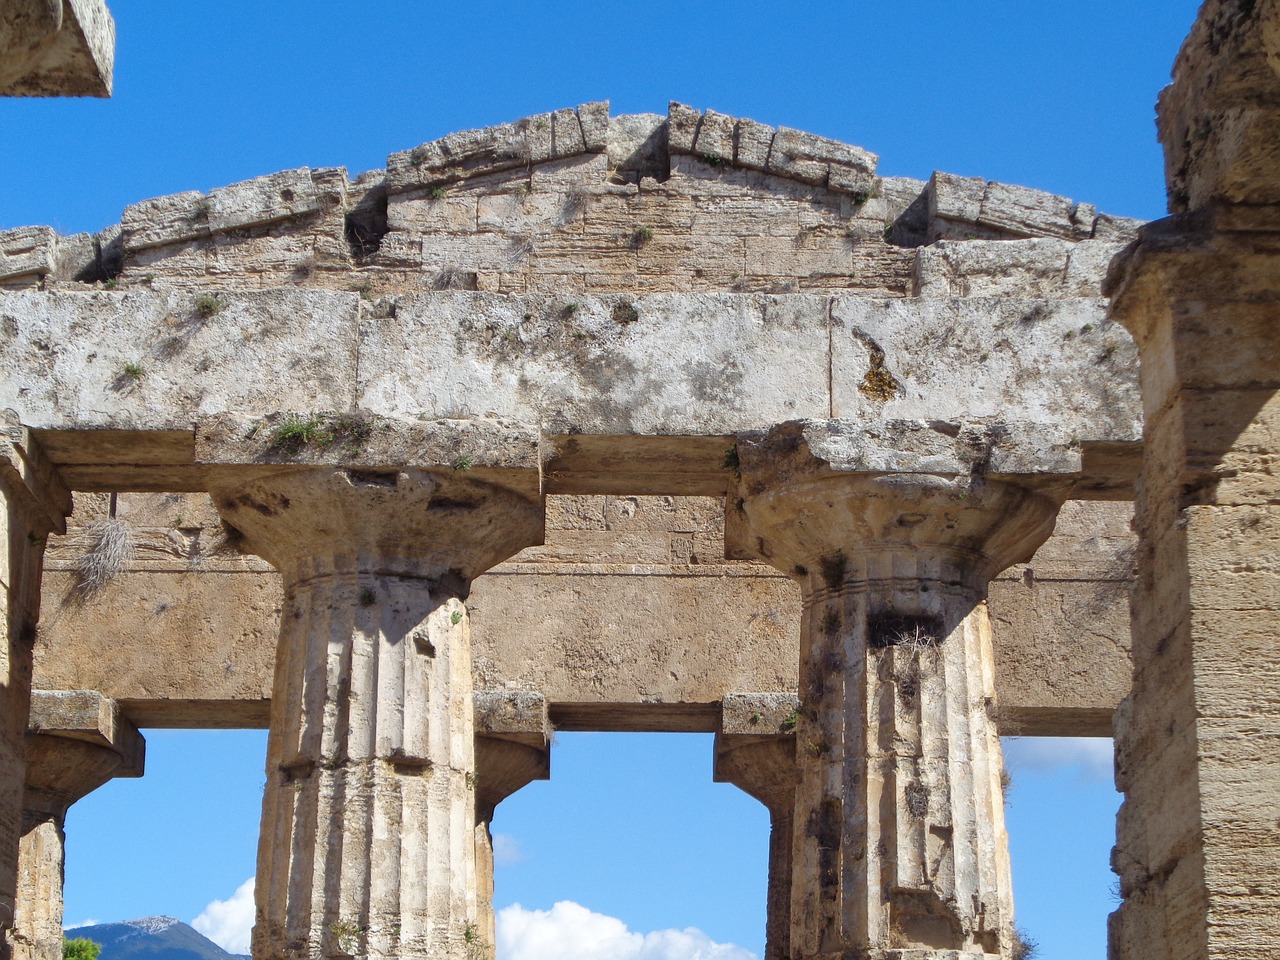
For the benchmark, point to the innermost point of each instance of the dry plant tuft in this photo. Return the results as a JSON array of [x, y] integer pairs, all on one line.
[[109, 551]]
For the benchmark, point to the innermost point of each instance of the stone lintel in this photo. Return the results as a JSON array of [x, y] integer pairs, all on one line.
[[57, 48]]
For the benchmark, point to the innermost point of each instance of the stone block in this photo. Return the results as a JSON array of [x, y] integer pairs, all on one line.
[[682, 127], [715, 137], [594, 118], [27, 250], [1027, 212], [801, 255], [61, 49], [989, 268], [280, 196], [754, 142], [955, 198], [931, 359], [1119, 229], [192, 356], [566, 131], [165, 220], [670, 363]]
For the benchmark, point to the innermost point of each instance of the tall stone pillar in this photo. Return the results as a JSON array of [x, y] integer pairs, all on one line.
[[900, 847], [77, 742], [513, 748], [35, 504], [1198, 835], [367, 845], [756, 751]]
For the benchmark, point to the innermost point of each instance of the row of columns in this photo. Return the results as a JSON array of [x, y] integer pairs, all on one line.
[[374, 835]]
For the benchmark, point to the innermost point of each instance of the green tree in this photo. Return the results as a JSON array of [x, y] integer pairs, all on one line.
[[81, 948]]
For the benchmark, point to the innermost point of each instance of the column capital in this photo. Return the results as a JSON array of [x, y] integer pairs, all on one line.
[[755, 747], [513, 745], [77, 740], [831, 503], [357, 493]]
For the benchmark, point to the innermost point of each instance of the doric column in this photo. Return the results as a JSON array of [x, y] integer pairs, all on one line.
[[1197, 850], [900, 847], [513, 748], [367, 844], [77, 742], [34, 504], [756, 751], [1197, 838]]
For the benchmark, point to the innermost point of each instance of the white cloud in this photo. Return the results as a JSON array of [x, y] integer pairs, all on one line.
[[228, 923], [506, 850], [1092, 757], [82, 923], [569, 931]]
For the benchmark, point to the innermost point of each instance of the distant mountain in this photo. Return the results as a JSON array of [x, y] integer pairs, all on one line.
[[151, 938]]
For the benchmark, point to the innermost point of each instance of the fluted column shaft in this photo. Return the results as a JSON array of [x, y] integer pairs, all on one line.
[[367, 846], [900, 847]]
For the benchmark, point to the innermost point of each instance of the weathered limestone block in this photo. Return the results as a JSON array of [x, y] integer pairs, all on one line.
[[160, 221], [56, 48], [33, 504], [1039, 267], [368, 837], [280, 196], [28, 255], [756, 751], [969, 208], [918, 358], [900, 842], [77, 742]]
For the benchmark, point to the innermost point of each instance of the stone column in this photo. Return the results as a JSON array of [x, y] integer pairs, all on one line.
[[513, 748], [35, 503], [900, 846], [367, 844], [756, 751], [77, 742], [1198, 835], [1197, 850]]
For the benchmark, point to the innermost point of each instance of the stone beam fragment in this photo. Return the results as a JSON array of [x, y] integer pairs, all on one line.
[[368, 831], [56, 48], [899, 829], [78, 740]]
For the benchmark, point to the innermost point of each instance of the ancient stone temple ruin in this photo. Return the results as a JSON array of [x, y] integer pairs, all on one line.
[[664, 422]]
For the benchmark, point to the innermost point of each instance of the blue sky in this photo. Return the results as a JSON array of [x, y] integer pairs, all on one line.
[[1052, 95]]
